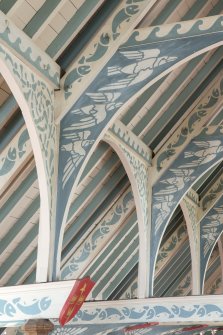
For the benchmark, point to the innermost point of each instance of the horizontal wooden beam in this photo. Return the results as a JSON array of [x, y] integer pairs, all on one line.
[[36, 301], [199, 309], [19, 303]]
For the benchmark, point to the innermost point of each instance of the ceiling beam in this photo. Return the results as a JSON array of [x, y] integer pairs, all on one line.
[[36, 301], [46, 300], [211, 228]]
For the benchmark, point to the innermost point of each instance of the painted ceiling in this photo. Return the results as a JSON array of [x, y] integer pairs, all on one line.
[[101, 234]]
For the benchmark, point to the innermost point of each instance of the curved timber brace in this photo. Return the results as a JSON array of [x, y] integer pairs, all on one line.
[[190, 208], [203, 219], [35, 97], [148, 55], [136, 158], [204, 151], [211, 227]]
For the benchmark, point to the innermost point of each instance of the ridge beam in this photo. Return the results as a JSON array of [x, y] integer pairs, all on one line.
[[21, 46]]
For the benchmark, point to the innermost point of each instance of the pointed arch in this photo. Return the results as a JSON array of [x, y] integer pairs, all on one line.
[[36, 101], [113, 89], [175, 183]]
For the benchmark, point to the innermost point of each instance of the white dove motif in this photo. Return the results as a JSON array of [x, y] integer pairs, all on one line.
[[145, 63], [163, 204], [177, 182], [215, 219], [209, 151], [77, 152], [91, 115], [209, 235]]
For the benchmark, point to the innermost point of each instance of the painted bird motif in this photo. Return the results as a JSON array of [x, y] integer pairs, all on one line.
[[164, 205], [77, 151], [177, 182], [209, 235], [209, 151], [91, 115], [145, 61], [215, 219]]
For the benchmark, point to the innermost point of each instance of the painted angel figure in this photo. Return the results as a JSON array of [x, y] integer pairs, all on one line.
[[95, 113], [145, 61], [208, 152], [77, 151]]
